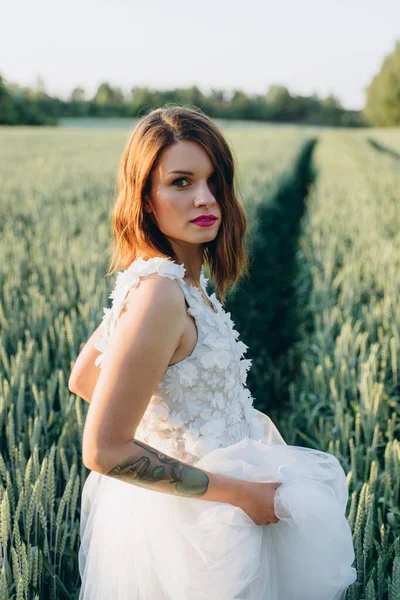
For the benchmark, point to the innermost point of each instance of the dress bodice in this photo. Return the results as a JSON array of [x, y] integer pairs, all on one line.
[[201, 402]]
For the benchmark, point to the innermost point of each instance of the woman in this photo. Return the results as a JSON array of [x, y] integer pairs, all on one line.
[[193, 493]]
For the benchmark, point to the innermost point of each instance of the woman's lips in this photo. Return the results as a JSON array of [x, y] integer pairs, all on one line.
[[204, 222]]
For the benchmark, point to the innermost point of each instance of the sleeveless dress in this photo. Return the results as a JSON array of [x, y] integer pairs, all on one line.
[[140, 544]]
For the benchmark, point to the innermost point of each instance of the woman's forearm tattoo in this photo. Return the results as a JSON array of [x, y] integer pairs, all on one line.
[[148, 466]]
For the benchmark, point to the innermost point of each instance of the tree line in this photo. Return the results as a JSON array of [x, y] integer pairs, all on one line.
[[34, 106]]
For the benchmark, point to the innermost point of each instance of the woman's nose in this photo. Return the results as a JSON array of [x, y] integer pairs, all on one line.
[[205, 196]]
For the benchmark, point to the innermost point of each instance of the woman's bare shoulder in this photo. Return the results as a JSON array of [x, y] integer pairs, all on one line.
[[155, 292]]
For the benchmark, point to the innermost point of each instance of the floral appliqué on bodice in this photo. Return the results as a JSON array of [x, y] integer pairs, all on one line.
[[201, 402]]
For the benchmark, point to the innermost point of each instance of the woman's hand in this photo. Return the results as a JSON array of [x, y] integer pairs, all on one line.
[[256, 499]]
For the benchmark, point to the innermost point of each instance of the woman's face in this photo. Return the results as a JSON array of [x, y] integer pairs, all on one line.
[[176, 197]]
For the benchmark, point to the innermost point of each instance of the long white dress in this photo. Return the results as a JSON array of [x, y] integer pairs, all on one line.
[[140, 544]]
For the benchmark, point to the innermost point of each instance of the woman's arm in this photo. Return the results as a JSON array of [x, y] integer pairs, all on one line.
[[145, 337], [85, 373], [138, 463]]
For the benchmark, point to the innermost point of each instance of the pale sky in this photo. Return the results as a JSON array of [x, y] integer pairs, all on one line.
[[310, 46]]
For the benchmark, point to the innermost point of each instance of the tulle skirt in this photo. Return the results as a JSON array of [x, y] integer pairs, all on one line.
[[140, 544]]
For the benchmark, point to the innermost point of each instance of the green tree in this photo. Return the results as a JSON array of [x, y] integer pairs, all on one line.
[[382, 107], [241, 105], [280, 102], [77, 95], [77, 102], [7, 112], [278, 95], [193, 95], [108, 96], [142, 99], [38, 90], [331, 103], [217, 98]]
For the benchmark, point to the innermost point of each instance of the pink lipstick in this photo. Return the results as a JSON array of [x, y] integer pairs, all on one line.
[[204, 220]]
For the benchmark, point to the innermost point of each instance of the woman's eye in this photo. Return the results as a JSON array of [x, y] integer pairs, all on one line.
[[180, 179], [212, 179]]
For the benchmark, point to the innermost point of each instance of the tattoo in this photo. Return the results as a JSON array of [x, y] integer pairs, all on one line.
[[152, 467]]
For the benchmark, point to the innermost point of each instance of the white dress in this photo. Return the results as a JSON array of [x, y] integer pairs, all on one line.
[[140, 544]]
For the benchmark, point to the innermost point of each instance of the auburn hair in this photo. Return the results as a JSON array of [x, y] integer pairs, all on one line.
[[135, 233]]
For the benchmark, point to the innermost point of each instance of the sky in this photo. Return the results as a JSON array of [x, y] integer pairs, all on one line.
[[309, 46]]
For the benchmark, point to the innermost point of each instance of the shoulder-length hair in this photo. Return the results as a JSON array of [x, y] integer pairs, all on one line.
[[135, 234]]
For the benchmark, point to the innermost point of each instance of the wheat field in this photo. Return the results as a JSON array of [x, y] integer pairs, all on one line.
[[57, 191]]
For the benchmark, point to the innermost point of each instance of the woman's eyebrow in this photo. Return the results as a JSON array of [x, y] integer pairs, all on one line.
[[185, 172], [180, 171]]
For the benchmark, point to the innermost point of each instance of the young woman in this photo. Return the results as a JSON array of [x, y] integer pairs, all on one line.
[[193, 494]]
